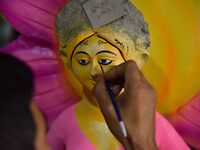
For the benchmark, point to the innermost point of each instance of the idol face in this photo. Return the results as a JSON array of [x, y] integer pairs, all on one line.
[[91, 58]]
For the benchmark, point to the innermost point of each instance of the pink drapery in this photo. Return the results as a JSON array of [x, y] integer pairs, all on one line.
[[37, 45]]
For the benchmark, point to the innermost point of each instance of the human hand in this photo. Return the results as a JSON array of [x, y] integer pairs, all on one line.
[[41, 144], [136, 102], [40, 138]]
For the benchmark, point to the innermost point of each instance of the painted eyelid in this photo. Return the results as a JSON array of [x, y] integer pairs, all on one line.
[[81, 57], [107, 57], [81, 53]]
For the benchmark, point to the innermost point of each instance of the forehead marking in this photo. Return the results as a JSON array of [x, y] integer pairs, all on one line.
[[100, 42]]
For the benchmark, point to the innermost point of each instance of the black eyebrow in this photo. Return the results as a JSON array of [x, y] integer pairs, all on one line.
[[82, 52], [105, 51]]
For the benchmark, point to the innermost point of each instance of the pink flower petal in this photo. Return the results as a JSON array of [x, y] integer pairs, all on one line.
[[33, 18]]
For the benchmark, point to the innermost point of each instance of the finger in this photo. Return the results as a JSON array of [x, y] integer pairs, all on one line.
[[148, 85], [117, 89], [101, 94], [127, 70], [103, 98], [132, 75], [143, 79]]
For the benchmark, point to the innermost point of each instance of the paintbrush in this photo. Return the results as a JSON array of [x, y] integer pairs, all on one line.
[[115, 105]]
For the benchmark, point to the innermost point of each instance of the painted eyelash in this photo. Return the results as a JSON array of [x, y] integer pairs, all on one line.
[[79, 61], [106, 64]]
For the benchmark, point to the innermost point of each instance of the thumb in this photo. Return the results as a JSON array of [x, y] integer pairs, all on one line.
[[101, 94]]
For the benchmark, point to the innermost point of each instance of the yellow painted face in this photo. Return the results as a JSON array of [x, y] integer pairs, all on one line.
[[91, 58]]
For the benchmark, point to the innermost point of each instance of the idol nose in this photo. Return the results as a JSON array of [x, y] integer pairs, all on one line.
[[95, 77], [95, 71]]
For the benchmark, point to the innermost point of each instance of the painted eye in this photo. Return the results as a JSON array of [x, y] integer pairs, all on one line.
[[105, 61], [83, 61]]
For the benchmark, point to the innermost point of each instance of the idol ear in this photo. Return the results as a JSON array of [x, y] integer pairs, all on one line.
[[64, 58], [142, 58]]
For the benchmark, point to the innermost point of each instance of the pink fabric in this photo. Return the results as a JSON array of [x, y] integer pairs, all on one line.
[[166, 136], [66, 135], [37, 46], [186, 121], [66, 132], [33, 18], [53, 93]]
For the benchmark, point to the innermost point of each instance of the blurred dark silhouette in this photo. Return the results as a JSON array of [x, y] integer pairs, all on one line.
[[17, 126]]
